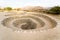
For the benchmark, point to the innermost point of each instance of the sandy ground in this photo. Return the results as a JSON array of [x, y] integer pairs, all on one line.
[[9, 34]]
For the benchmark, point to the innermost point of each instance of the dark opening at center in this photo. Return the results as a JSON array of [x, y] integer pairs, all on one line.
[[29, 25]]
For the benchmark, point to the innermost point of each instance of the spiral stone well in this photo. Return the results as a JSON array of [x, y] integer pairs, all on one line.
[[29, 22]]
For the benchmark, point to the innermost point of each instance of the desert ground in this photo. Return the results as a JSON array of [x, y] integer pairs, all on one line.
[[47, 28]]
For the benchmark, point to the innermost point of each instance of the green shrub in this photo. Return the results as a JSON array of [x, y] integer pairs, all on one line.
[[8, 8], [54, 10]]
